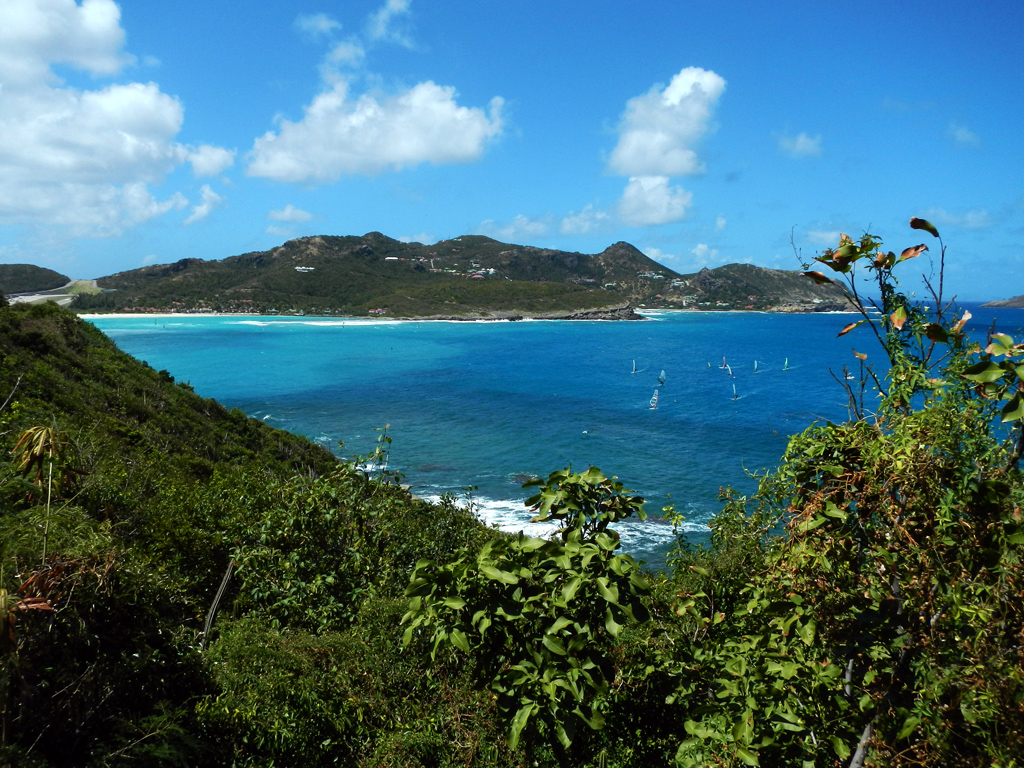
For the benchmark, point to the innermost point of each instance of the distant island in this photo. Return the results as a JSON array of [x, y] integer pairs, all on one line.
[[1017, 302], [469, 277]]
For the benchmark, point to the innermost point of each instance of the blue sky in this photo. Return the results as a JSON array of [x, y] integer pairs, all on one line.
[[704, 133]]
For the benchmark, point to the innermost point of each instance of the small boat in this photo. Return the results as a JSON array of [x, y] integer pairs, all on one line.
[[654, 400]]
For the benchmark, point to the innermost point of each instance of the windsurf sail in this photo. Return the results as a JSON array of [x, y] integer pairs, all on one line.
[[654, 400], [661, 378], [634, 366]]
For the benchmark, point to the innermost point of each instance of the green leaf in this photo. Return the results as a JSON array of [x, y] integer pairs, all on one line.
[[494, 574], [737, 666], [985, 372], [455, 602], [916, 223], [909, 725], [458, 639], [840, 747], [559, 624], [609, 592], [553, 644], [936, 333], [746, 756], [610, 624], [519, 722], [806, 631], [1014, 408]]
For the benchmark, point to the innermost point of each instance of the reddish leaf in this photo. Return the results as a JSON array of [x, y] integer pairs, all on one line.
[[913, 251], [927, 226], [962, 321], [899, 317], [860, 355], [848, 328], [818, 277]]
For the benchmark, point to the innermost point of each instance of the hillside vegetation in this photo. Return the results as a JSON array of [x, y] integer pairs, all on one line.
[[181, 585], [27, 278], [468, 276]]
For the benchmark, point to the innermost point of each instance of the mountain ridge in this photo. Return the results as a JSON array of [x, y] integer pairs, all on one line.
[[471, 276]]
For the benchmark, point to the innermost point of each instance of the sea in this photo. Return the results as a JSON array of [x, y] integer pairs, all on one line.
[[475, 409]]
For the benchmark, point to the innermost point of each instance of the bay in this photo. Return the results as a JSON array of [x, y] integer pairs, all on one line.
[[474, 409]]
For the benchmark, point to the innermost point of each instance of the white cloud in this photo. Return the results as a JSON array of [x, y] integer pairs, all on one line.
[[317, 24], [372, 133], [80, 160], [720, 222], [704, 254], [650, 200], [348, 53], [423, 237], [824, 238], [584, 222], [290, 213], [37, 33], [210, 200], [978, 218], [208, 160], [661, 129], [383, 25], [800, 145], [521, 227], [658, 255], [961, 134]]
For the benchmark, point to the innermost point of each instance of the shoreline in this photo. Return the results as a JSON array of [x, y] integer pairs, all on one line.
[[642, 313]]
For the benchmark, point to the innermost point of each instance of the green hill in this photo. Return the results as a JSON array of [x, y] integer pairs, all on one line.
[[470, 276], [26, 278]]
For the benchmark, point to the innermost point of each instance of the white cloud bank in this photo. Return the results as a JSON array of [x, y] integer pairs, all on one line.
[[658, 138], [78, 159], [370, 134]]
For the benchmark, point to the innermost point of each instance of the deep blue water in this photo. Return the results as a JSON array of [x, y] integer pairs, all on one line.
[[488, 404]]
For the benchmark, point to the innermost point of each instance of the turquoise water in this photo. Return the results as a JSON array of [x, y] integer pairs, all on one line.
[[490, 404]]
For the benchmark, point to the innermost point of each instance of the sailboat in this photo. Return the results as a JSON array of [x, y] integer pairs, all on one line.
[[654, 400]]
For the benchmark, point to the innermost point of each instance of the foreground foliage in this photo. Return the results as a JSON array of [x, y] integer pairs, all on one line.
[[181, 585]]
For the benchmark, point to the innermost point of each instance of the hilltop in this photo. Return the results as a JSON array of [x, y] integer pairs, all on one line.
[[25, 278], [468, 277]]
